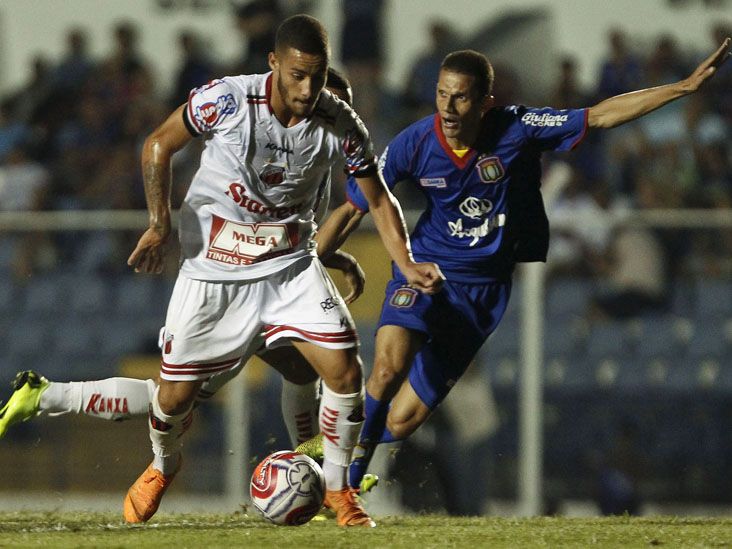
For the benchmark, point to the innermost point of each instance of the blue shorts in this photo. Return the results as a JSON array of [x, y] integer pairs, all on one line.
[[457, 322]]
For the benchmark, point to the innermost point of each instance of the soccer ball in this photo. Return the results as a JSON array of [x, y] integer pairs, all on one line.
[[287, 488]]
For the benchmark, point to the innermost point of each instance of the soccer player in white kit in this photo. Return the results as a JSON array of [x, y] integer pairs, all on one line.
[[247, 255]]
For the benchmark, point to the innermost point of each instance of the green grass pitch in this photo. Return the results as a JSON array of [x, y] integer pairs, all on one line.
[[32, 529]]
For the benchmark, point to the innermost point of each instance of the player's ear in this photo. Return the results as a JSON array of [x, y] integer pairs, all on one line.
[[273, 61]]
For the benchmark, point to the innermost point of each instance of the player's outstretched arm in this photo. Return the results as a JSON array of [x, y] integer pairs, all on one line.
[[157, 152], [425, 277], [629, 106]]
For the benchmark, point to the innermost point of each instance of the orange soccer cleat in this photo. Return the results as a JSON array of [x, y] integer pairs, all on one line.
[[143, 497], [348, 510]]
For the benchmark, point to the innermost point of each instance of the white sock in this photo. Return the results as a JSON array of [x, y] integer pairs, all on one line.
[[300, 410], [341, 417], [165, 434], [115, 398]]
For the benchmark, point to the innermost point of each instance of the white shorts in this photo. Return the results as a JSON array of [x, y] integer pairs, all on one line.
[[213, 326]]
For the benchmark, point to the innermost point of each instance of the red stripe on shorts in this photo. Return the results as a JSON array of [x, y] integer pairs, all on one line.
[[328, 337]]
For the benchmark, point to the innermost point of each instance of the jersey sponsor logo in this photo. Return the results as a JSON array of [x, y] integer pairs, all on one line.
[[475, 208], [210, 114], [403, 298], [490, 169], [237, 192], [544, 119], [438, 182], [272, 174], [455, 228], [279, 148], [247, 243]]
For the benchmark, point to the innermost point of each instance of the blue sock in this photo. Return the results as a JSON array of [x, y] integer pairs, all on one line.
[[372, 432]]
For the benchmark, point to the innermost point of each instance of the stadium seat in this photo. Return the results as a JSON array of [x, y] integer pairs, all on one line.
[[74, 337], [713, 299], [91, 295], [708, 340], [29, 336], [138, 294], [568, 297], [607, 340], [663, 337], [47, 295]]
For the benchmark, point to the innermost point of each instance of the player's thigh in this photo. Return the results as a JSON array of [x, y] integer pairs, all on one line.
[[290, 363], [407, 412], [209, 328]]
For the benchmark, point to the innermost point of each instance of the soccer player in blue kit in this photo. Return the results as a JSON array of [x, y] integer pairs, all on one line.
[[478, 167]]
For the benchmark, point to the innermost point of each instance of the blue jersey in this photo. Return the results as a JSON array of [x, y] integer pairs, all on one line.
[[484, 211]]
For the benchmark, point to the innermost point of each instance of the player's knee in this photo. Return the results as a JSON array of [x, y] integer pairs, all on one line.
[[384, 379], [346, 379]]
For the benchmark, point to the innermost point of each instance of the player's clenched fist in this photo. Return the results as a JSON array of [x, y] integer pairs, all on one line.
[[425, 277]]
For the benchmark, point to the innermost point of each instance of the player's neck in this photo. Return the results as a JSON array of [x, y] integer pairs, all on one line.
[[462, 141], [282, 113]]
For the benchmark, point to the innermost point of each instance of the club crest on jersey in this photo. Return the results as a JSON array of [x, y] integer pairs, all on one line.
[[210, 114], [490, 169], [403, 298], [272, 174]]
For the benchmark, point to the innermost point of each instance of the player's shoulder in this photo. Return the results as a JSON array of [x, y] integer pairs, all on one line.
[[414, 135]]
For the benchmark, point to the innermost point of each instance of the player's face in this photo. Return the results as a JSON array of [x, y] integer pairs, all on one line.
[[459, 106], [300, 78]]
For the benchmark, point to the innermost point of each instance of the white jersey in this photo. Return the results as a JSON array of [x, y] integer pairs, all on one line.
[[249, 211]]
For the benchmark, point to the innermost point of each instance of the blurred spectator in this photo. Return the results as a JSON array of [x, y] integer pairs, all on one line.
[[635, 266], [666, 63], [13, 130], [24, 185], [23, 182], [362, 47], [567, 93], [422, 82], [195, 69], [257, 20], [621, 71], [76, 65]]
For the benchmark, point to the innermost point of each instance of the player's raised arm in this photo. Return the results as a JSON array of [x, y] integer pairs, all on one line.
[[157, 152], [629, 106], [387, 213]]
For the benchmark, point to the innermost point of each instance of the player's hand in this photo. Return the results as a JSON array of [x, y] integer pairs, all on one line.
[[148, 256], [425, 277], [354, 276], [709, 66]]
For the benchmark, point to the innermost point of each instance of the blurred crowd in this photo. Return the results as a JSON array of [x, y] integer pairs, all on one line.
[[70, 138]]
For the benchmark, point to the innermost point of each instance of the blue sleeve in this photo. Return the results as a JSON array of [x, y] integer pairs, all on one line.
[[394, 166], [552, 129]]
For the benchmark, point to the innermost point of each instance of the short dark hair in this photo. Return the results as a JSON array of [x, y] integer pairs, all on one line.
[[473, 64], [338, 80], [304, 33]]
